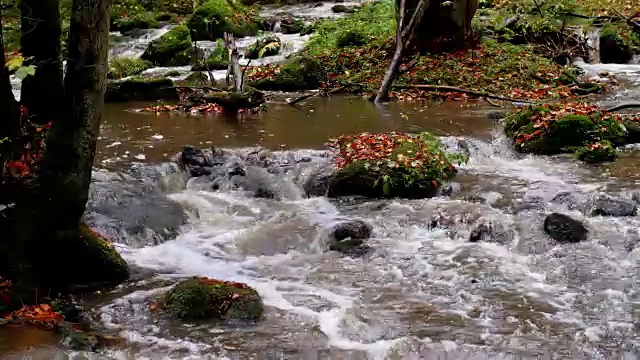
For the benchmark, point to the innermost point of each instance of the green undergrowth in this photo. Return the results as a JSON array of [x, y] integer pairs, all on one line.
[[371, 23], [592, 133]]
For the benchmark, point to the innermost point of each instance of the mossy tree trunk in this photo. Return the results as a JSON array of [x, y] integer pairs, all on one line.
[[41, 29], [447, 19], [8, 104]]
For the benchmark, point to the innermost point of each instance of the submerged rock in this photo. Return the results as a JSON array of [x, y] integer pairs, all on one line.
[[131, 211], [606, 206], [349, 238], [563, 228], [203, 298]]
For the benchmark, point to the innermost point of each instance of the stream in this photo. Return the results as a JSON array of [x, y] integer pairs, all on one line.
[[423, 291]]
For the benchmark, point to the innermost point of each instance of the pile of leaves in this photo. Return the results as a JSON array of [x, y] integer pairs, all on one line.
[[589, 131], [395, 160], [42, 314]]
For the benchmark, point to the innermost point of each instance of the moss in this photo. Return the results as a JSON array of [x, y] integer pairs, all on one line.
[[172, 73], [124, 67], [416, 168], [137, 89], [146, 20], [291, 25], [181, 7], [354, 37], [96, 259], [597, 153], [197, 77], [172, 49], [217, 60], [211, 20], [268, 46], [202, 298], [618, 43], [297, 74]]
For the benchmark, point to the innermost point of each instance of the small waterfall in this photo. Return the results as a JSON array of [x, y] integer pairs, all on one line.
[[593, 42], [134, 44]]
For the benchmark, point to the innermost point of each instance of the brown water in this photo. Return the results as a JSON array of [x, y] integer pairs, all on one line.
[[307, 126]]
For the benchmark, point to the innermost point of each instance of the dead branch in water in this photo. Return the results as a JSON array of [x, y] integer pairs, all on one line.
[[306, 96], [623, 106]]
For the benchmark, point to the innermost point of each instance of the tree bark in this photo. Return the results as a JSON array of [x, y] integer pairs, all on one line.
[[234, 62], [71, 145], [8, 104], [404, 36], [41, 29]]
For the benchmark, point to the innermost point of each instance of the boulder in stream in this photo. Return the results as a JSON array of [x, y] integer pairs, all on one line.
[[215, 17], [132, 211], [391, 165], [564, 228], [204, 298], [173, 49], [349, 237], [608, 206], [301, 73], [139, 89], [618, 43]]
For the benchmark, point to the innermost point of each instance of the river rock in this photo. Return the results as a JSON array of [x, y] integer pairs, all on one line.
[[132, 211], [349, 237], [339, 8], [606, 206], [195, 162], [203, 298], [138, 89], [318, 184], [563, 228], [480, 232]]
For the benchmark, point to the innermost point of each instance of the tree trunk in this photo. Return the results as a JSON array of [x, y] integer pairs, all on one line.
[[234, 62], [41, 29], [8, 104], [451, 21], [71, 145]]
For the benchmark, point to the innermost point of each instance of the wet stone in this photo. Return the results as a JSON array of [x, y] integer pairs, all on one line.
[[563, 228], [605, 206], [349, 238]]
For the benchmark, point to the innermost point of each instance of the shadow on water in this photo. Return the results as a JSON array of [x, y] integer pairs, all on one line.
[[159, 137]]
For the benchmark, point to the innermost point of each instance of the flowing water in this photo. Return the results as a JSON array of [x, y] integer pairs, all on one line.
[[423, 291]]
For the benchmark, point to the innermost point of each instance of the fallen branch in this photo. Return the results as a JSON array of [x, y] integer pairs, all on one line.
[[202, 88], [306, 96], [446, 88]]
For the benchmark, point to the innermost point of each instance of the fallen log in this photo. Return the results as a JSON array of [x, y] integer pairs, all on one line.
[[623, 106]]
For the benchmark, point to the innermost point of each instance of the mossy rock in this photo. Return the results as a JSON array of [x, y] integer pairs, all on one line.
[[146, 20], [104, 263], [215, 17], [180, 7], [357, 180], [124, 67], [597, 153], [264, 47], [618, 43], [137, 89], [202, 298], [197, 77], [301, 73], [291, 25], [172, 49], [308, 29]]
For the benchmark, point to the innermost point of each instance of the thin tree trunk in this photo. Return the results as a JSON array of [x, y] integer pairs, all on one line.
[[8, 104], [71, 145], [404, 36], [234, 62], [41, 29]]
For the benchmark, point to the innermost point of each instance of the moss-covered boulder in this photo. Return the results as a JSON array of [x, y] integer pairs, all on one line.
[[301, 73], [215, 17], [197, 77], [563, 128], [173, 49], [203, 298], [145, 20], [90, 259], [596, 153], [618, 43], [218, 59], [180, 7], [267, 46], [391, 165], [138, 89], [123, 67]]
